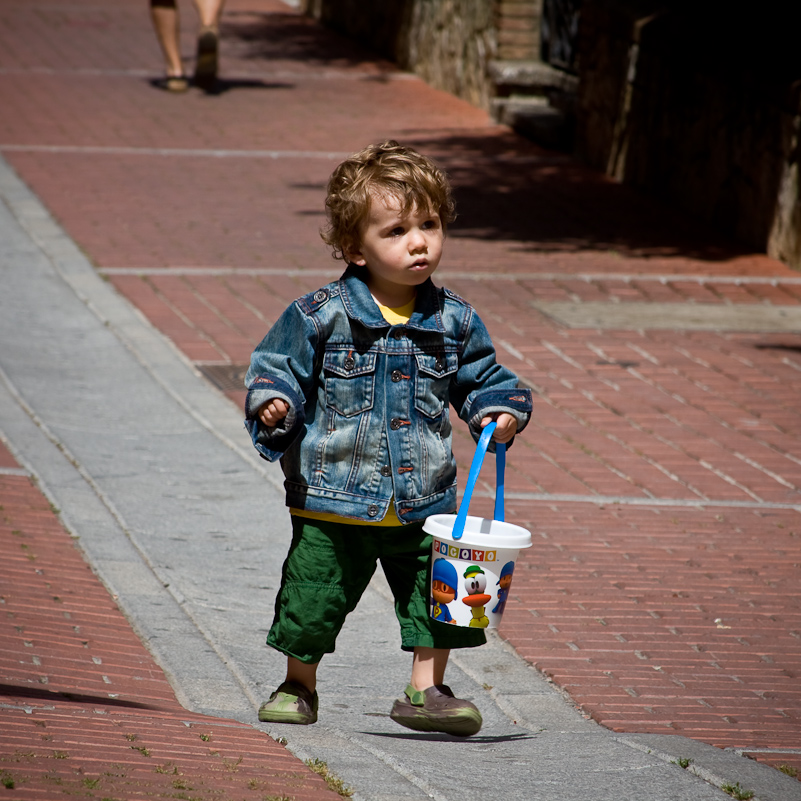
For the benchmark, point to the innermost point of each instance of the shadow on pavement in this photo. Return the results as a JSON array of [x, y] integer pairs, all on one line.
[[290, 37], [15, 691], [509, 189], [435, 737]]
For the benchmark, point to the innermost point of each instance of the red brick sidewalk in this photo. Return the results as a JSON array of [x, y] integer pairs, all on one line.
[[661, 471], [84, 710]]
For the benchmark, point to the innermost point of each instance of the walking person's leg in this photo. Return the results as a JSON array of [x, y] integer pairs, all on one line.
[[166, 23], [207, 63]]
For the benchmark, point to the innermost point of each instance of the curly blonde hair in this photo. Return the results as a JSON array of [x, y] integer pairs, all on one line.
[[386, 169]]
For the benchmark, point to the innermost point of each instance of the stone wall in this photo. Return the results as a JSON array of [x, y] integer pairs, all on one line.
[[448, 43], [701, 108]]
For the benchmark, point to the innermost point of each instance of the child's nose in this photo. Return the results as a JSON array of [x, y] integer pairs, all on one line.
[[417, 240]]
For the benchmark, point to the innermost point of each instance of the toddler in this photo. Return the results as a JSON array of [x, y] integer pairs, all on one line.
[[352, 389]]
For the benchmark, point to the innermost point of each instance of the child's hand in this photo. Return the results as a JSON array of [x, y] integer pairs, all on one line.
[[273, 412], [506, 426]]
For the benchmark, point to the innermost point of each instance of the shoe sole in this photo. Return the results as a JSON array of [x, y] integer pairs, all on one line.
[[462, 726], [286, 717]]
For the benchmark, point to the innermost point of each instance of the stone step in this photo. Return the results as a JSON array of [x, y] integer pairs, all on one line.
[[536, 119], [530, 77]]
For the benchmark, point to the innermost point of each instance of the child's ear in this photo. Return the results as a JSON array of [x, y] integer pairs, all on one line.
[[355, 257]]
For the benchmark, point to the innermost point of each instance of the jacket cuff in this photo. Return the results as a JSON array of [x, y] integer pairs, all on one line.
[[272, 442], [516, 401]]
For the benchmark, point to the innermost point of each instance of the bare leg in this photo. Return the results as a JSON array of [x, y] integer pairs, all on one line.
[[209, 12], [302, 673], [428, 667], [164, 14]]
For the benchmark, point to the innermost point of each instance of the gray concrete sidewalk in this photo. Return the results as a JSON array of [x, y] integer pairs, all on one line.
[[152, 469]]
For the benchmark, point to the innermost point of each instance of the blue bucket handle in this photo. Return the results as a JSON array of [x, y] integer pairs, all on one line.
[[475, 469]]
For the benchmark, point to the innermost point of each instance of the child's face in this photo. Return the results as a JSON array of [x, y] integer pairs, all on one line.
[[399, 250]]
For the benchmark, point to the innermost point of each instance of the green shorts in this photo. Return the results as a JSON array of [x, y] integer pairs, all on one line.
[[327, 570]]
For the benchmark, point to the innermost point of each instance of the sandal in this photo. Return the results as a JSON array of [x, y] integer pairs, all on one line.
[[206, 63], [436, 709], [172, 83], [290, 703]]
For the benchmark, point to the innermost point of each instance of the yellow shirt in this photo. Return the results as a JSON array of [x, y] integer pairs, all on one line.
[[394, 316]]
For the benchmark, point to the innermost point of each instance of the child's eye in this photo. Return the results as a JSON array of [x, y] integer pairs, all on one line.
[[429, 224], [396, 231]]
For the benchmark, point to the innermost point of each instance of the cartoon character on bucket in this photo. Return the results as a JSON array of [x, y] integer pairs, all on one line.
[[443, 590], [475, 582], [504, 582]]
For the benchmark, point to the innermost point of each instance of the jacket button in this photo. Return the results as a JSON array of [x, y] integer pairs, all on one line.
[[397, 333], [439, 365], [386, 470], [349, 363], [320, 295], [372, 510], [395, 424], [397, 375]]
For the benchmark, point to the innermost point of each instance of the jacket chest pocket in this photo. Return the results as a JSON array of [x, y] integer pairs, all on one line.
[[349, 381], [432, 383]]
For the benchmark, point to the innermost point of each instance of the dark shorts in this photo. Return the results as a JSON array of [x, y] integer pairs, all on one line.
[[327, 570]]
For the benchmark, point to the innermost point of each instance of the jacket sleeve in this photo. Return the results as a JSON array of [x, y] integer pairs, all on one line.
[[282, 366], [483, 386]]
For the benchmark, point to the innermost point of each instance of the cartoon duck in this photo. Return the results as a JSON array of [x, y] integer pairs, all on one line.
[[443, 590], [475, 582], [504, 582]]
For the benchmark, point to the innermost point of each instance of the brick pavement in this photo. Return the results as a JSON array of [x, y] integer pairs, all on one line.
[[85, 710], [661, 471]]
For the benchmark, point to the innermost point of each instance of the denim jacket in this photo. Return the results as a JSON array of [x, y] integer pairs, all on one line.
[[369, 402]]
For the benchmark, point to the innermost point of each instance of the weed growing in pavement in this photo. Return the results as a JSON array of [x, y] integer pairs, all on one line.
[[60, 755], [334, 782], [789, 770], [131, 738], [281, 740], [91, 783], [7, 779], [141, 749], [735, 791], [205, 737], [683, 762], [231, 765], [278, 798]]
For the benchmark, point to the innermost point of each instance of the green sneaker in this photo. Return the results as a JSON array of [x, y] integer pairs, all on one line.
[[290, 703], [436, 709]]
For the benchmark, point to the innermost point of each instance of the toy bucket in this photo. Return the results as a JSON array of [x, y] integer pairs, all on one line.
[[473, 559]]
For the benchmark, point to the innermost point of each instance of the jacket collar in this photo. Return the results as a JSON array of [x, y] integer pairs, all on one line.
[[360, 306]]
